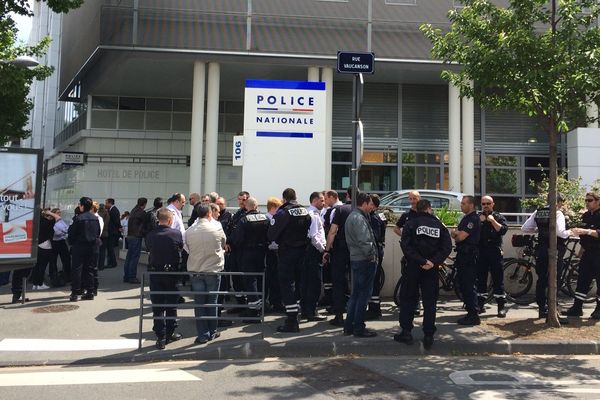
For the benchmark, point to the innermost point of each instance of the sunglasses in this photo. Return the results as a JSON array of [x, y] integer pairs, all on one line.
[[486, 204], [590, 200]]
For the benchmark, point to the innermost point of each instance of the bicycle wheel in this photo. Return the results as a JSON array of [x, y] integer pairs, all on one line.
[[572, 277], [397, 292], [518, 280]]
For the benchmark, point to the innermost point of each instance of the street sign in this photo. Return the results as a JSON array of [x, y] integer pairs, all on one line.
[[355, 63]]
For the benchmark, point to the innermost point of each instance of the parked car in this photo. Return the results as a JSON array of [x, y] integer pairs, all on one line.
[[398, 201]]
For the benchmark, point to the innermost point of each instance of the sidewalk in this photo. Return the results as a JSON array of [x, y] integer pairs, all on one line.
[[111, 321]]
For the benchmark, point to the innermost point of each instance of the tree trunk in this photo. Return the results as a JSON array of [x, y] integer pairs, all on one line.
[[552, 319]]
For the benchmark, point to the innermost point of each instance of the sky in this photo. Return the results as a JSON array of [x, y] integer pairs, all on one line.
[[23, 25]]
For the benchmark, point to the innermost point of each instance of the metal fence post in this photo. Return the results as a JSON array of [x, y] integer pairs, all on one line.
[[141, 311]]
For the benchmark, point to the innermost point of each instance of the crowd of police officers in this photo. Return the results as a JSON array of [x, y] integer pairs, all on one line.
[[306, 259]]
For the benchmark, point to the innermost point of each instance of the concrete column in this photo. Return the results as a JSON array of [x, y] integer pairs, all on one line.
[[327, 77], [88, 113], [196, 144], [468, 145], [313, 74], [453, 138], [592, 112], [212, 127]]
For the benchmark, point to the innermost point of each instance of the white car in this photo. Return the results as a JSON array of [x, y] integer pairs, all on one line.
[[398, 201]]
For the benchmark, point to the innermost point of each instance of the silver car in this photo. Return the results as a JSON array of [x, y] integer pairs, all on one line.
[[398, 201]]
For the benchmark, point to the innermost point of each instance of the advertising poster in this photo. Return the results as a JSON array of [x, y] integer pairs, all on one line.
[[20, 183]]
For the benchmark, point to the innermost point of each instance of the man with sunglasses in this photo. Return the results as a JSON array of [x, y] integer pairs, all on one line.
[[589, 266], [493, 227]]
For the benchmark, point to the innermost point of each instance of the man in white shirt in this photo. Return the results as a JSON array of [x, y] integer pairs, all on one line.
[[176, 203], [540, 221], [310, 284], [206, 243]]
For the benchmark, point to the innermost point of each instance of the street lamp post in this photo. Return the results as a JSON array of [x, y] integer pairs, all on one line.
[[22, 61]]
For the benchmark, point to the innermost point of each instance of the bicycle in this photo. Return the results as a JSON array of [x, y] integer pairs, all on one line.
[[518, 276]]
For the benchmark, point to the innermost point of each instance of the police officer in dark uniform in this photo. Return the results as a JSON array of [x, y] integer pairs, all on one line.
[[165, 245], [378, 224], [250, 238], [339, 258], [289, 229], [493, 227], [589, 266], [540, 220], [426, 244], [466, 237], [84, 237], [233, 259], [413, 198], [332, 200]]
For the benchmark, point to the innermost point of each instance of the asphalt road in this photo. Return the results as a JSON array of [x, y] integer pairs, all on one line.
[[447, 378]]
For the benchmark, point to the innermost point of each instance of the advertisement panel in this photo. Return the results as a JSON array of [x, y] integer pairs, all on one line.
[[20, 190], [284, 138]]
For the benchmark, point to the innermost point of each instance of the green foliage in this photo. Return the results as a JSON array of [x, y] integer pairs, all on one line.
[[572, 189], [525, 57], [14, 80], [447, 216]]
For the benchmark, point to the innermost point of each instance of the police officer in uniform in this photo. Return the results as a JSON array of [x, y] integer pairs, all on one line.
[[233, 261], [589, 266], [466, 236], [340, 258], [310, 288], [289, 229], [84, 237], [378, 224], [540, 220], [165, 245], [413, 198], [493, 227], [250, 239], [426, 244], [332, 201]]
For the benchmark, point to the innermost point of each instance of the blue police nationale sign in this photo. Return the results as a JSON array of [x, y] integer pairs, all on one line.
[[355, 63]]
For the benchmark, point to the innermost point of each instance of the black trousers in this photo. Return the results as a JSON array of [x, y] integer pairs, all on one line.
[[310, 281], [376, 288], [39, 270], [291, 262], [417, 279], [466, 269], [589, 269], [253, 260], [111, 255], [490, 262], [541, 269], [272, 288], [60, 248], [164, 283], [17, 281], [340, 268], [84, 258]]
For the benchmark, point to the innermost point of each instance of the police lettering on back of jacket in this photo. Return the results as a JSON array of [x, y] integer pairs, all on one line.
[[426, 244], [289, 229]]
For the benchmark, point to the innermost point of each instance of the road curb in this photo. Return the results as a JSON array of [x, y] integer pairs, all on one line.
[[345, 347]]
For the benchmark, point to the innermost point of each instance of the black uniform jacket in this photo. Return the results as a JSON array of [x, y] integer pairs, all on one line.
[[164, 244], [290, 225], [424, 237]]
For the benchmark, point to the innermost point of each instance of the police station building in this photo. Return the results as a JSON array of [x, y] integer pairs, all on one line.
[[152, 93]]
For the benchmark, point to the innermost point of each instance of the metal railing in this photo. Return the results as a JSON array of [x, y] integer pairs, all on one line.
[[145, 294]]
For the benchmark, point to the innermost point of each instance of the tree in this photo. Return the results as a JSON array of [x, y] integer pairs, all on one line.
[[538, 57], [14, 80]]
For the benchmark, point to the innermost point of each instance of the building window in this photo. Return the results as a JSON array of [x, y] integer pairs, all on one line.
[[401, 2]]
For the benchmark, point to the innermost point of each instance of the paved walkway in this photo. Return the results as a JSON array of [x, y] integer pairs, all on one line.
[[105, 330]]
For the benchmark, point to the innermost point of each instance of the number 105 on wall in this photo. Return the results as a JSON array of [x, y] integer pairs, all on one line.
[[238, 151]]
